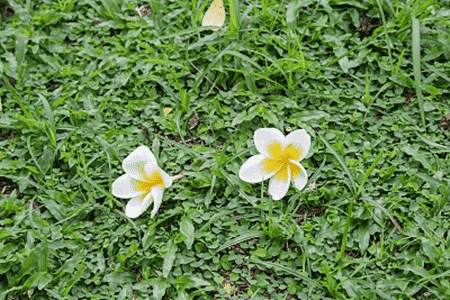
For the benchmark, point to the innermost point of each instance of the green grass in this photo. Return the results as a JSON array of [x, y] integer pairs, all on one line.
[[77, 98]]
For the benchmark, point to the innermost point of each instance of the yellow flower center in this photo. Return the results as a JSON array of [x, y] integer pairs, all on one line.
[[150, 180], [280, 160]]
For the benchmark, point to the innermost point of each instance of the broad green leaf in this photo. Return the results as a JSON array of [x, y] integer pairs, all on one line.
[[159, 287], [21, 47], [169, 257], [8, 248], [188, 230]]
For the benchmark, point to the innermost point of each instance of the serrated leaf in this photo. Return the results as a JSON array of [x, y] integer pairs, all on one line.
[[432, 90], [271, 117], [159, 287], [45, 279], [428, 248], [199, 281], [74, 279], [33, 280], [51, 61], [431, 143], [260, 252], [27, 266], [4, 232], [417, 270], [110, 150], [182, 281], [54, 208], [417, 156]]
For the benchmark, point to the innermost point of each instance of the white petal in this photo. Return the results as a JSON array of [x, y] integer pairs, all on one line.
[[299, 138], [299, 179], [166, 178], [122, 187], [265, 138], [251, 170], [157, 194], [137, 205], [134, 163], [279, 184]]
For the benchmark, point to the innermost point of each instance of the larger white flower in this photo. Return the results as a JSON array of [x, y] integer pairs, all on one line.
[[280, 157], [143, 182]]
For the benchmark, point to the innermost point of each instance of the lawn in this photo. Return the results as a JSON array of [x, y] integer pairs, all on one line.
[[345, 102]]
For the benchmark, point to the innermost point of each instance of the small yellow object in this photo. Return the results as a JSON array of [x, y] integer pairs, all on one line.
[[311, 187], [215, 15], [228, 288], [177, 177], [167, 110]]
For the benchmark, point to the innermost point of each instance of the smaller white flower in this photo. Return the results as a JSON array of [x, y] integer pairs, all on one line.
[[143, 182], [280, 157]]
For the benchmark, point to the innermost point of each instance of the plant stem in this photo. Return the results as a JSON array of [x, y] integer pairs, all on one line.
[[270, 208]]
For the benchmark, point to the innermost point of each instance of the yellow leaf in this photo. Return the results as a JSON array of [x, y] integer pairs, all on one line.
[[167, 110], [215, 15]]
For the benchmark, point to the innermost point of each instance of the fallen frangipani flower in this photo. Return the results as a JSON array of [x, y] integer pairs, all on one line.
[[280, 156], [215, 15], [143, 182]]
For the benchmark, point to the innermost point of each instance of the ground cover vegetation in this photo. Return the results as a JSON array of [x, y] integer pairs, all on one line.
[[85, 83]]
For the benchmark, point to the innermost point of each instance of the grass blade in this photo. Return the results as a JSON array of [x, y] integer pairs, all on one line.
[[17, 96], [350, 210], [416, 64], [431, 143], [212, 64], [285, 269], [249, 234], [386, 36], [368, 172], [341, 161]]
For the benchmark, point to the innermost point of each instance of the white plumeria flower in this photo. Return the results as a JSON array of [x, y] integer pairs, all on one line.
[[280, 156], [143, 182]]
